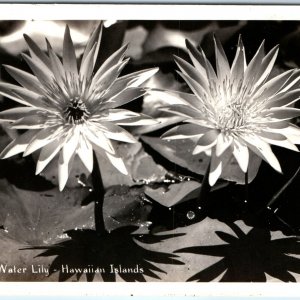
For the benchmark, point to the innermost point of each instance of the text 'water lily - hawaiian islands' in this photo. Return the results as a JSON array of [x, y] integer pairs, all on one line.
[[90, 269]]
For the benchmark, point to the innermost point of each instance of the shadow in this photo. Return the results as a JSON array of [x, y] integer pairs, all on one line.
[[116, 253], [249, 257]]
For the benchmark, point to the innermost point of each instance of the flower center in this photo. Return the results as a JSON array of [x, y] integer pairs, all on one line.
[[76, 112], [231, 118]]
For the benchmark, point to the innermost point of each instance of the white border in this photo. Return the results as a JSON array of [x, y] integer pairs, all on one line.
[[148, 12], [155, 290]]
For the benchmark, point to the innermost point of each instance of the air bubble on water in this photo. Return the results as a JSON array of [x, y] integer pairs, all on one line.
[[190, 215]]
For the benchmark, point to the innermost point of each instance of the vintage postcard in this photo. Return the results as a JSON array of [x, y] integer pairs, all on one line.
[[142, 146]]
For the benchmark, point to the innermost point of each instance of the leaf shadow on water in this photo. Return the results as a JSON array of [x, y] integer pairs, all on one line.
[[249, 257], [120, 249]]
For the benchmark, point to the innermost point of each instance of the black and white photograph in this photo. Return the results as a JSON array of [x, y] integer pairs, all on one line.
[[149, 150]]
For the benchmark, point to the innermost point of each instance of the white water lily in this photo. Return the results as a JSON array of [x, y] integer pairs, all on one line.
[[69, 110], [236, 109]]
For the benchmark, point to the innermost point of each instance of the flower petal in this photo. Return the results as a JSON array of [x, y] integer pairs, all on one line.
[[110, 64], [43, 138], [196, 88], [17, 113], [47, 153], [190, 71], [64, 169], [262, 149], [253, 69], [239, 63], [222, 65], [241, 154], [184, 131], [98, 138], [183, 110], [30, 122], [207, 141], [215, 169], [85, 153], [138, 121], [200, 62], [35, 51], [267, 65], [115, 132], [69, 57], [283, 113], [18, 145], [27, 80], [284, 99], [42, 72], [87, 65], [124, 97], [223, 143], [95, 38], [117, 162]]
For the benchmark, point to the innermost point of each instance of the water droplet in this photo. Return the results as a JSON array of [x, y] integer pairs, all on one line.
[[190, 215]]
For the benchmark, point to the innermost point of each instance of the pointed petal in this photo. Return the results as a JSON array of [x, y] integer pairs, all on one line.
[[35, 51], [141, 120], [43, 74], [69, 57], [223, 143], [64, 169], [222, 65], [190, 71], [30, 122], [17, 113], [274, 85], [254, 67], [70, 145], [43, 138], [215, 169], [118, 163], [18, 145], [95, 38], [239, 63], [200, 62], [197, 89], [57, 68], [262, 149], [115, 132], [85, 153], [111, 61], [98, 138], [267, 65], [124, 97], [21, 95], [284, 99], [241, 154], [184, 131], [183, 110], [87, 65], [47, 153], [283, 113], [175, 97], [118, 114], [101, 84], [27, 80], [136, 79], [207, 141]]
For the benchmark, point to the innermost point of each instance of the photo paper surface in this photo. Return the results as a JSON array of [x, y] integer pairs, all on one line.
[[149, 150]]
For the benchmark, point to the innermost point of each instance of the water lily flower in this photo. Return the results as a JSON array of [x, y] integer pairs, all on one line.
[[71, 109], [235, 109]]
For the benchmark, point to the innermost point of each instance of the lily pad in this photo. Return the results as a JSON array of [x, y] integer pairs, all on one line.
[[180, 152], [42, 217]]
